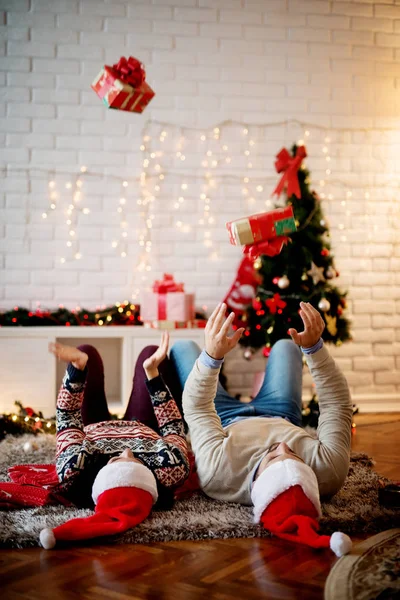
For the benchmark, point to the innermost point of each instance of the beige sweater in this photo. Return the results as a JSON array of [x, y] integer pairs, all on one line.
[[226, 458]]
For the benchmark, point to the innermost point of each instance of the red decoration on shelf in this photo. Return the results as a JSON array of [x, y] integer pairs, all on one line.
[[289, 165], [275, 303]]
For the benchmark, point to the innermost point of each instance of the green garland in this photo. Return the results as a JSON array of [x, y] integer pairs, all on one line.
[[121, 313]]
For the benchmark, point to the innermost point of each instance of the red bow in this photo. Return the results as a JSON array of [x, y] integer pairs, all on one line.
[[167, 284], [274, 303], [289, 165], [130, 71], [267, 247]]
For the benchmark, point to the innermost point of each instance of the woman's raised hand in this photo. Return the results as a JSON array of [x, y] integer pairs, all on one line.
[[152, 363], [69, 354]]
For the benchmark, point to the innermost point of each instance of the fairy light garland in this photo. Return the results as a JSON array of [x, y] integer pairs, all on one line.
[[166, 151]]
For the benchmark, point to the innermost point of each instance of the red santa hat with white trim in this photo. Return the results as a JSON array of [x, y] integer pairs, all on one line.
[[286, 501], [123, 492]]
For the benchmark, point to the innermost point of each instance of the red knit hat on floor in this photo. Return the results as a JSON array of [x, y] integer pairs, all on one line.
[[123, 493], [286, 501]]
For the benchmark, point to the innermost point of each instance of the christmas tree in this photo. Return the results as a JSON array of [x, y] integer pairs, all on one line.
[[303, 271]]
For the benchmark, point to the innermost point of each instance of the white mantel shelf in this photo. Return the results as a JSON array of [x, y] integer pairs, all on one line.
[[29, 373]]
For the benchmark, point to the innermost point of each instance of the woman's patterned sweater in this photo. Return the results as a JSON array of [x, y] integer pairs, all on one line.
[[166, 454]]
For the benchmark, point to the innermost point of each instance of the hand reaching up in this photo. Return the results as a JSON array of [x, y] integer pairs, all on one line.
[[314, 325], [76, 357], [152, 363], [217, 341]]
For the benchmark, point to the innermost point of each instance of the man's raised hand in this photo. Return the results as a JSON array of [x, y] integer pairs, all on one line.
[[217, 341], [314, 325]]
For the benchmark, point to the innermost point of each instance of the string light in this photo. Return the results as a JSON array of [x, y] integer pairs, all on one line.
[[218, 166]]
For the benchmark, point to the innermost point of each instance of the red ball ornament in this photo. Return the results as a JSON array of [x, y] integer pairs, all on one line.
[[266, 351], [339, 311], [325, 252], [257, 305], [275, 280]]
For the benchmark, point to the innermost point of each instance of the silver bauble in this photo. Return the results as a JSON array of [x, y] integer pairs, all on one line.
[[283, 282], [330, 273], [324, 305]]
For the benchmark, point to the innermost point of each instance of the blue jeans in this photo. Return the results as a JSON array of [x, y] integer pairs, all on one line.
[[280, 393]]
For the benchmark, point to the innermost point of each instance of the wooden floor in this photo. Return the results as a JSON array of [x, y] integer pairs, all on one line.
[[223, 569]]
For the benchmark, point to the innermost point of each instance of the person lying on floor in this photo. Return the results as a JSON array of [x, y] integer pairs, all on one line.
[[237, 446], [150, 439]]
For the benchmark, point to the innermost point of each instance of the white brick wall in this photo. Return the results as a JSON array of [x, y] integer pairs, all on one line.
[[330, 64]]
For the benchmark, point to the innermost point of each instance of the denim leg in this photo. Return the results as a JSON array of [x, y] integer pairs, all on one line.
[[183, 355], [280, 393]]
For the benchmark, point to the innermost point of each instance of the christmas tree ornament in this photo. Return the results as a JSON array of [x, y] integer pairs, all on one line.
[[324, 305], [289, 166], [304, 277], [324, 252], [275, 304], [316, 273], [283, 282], [331, 324], [267, 350], [248, 354], [322, 223], [330, 272]]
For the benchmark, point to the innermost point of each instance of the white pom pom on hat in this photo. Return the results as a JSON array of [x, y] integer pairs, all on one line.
[[47, 539], [340, 543]]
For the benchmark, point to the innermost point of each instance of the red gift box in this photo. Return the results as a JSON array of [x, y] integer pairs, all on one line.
[[167, 302], [123, 86], [264, 226], [264, 233]]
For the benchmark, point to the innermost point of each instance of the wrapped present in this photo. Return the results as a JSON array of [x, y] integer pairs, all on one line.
[[167, 302], [123, 86], [264, 233]]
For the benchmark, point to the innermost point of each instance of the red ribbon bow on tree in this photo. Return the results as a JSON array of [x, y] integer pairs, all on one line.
[[167, 284], [130, 71], [275, 303], [289, 165]]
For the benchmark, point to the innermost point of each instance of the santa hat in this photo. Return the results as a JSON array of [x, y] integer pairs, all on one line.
[[123, 493], [286, 501]]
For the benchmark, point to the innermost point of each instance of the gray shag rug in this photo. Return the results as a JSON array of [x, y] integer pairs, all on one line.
[[354, 510]]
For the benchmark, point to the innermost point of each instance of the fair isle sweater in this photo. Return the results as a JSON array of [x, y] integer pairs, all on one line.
[[166, 455], [226, 458]]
